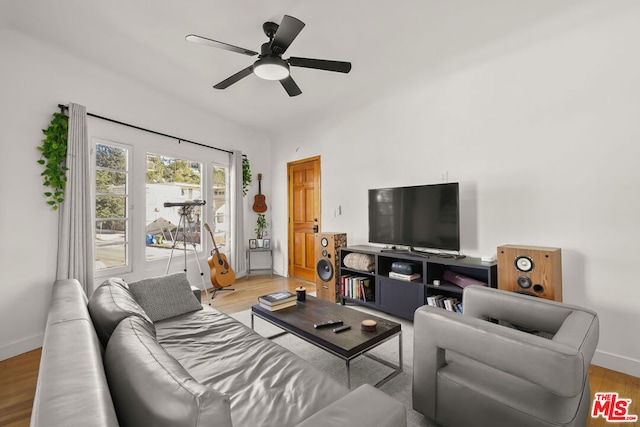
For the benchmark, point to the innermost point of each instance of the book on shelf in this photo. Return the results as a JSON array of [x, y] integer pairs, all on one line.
[[357, 287], [436, 301], [448, 303], [407, 277], [277, 298], [278, 306]]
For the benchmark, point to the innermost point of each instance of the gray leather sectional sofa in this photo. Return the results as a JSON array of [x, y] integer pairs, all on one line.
[[109, 362]]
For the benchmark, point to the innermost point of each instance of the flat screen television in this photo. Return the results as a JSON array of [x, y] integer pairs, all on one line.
[[424, 216]]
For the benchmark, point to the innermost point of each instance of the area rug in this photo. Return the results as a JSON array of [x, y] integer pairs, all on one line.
[[363, 369]]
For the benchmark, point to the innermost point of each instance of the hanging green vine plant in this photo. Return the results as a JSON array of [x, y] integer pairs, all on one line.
[[54, 154], [246, 175]]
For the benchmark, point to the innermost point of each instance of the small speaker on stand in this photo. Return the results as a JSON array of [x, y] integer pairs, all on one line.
[[531, 270], [327, 264]]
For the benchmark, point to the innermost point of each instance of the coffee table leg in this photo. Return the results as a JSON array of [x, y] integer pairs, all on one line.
[[348, 374], [400, 351], [252, 317]]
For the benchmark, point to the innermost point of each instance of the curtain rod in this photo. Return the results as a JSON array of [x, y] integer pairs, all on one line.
[[63, 107]]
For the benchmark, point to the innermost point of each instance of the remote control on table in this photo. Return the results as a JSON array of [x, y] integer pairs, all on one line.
[[328, 323], [341, 329]]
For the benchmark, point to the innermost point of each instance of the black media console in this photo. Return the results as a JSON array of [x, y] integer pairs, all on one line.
[[402, 297]]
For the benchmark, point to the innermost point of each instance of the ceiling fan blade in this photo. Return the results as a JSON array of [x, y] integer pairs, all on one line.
[[320, 64], [235, 78], [288, 30], [290, 86], [214, 43]]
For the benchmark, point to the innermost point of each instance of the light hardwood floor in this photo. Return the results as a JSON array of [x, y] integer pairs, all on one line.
[[18, 375]]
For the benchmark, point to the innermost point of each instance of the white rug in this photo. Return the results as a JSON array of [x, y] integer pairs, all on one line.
[[363, 369]]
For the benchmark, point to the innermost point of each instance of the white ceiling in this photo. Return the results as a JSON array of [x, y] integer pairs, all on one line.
[[389, 43]]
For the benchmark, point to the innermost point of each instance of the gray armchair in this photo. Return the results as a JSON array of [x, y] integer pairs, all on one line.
[[509, 360]]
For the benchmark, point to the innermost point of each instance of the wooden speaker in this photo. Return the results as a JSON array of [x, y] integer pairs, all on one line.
[[530, 270], [327, 264]]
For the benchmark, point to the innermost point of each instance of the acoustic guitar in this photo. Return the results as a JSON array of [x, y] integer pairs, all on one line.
[[222, 274], [259, 202]]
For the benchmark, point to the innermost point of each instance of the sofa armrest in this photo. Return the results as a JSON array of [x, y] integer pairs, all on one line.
[[554, 366], [363, 407], [72, 389]]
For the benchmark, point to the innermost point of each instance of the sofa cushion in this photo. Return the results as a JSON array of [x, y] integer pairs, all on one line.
[[165, 297], [111, 303], [269, 386], [149, 387]]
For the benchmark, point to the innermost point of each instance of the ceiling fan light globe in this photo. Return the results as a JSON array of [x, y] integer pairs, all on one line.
[[271, 68]]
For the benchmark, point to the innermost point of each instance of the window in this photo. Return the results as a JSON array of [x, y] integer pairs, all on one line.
[[220, 206], [111, 206], [134, 178], [172, 180]]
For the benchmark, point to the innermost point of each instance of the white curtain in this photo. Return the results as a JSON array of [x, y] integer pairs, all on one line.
[[75, 239], [237, 214]]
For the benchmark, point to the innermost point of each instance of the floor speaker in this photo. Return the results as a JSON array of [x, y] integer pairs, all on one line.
[[531, 270], [328, 263]]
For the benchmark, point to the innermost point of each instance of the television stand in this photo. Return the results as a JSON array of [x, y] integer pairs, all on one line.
[[401, 297]]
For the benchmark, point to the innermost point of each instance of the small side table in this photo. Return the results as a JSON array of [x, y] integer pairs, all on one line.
[[254, 271]]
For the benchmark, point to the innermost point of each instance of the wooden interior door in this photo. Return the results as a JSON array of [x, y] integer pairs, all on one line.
[[304, 216]]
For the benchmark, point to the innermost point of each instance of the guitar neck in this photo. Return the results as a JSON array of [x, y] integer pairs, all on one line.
[[215, 248]]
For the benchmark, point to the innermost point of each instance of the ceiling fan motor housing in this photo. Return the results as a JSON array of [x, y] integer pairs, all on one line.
[[265, 50]]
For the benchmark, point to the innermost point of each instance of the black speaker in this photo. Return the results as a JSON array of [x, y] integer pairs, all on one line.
[[402, 267], [327, 258], [325, 269]]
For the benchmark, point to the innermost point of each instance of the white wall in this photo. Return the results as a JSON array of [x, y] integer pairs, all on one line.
[[541, 129], [35, 77]]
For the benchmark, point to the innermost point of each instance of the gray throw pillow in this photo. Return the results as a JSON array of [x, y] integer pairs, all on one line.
[[165, 297]]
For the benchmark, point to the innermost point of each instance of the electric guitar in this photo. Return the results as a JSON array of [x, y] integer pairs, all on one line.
[[222, 274], [259, 203]]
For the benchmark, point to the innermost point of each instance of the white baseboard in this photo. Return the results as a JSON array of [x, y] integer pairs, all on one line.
[[617, 363], [18, 347]]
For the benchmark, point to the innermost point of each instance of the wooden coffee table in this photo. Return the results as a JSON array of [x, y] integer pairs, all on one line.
[[299, 320]]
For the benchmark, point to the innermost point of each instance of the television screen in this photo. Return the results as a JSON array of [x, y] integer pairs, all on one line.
[[425, 216]]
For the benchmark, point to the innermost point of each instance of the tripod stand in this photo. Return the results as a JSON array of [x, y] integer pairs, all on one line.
[[186, 210]]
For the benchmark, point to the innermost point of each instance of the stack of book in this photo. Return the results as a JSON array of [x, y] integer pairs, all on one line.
[[357, 287], [406, 277], [277, 300], [451, 304]]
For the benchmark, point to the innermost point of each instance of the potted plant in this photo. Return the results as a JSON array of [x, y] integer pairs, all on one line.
[[261, 229], [246, 175]]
